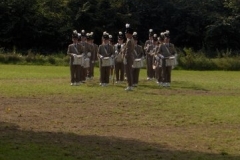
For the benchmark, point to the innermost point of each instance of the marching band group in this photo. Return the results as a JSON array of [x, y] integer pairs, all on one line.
[[121, 60]]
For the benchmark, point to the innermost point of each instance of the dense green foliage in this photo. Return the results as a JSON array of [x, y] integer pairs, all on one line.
[[187, 60], [46, 25]]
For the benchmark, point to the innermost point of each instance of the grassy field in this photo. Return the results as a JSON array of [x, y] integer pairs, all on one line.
[[42, 117]]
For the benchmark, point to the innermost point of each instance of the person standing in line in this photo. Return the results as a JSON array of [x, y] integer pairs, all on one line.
[[150, 51], [93, 56], [171, 47], [166, 50], [100, 58], [148, 43], [105, 51], [119, 66], [111, 43], [74, 49], [87, 51], [138, 54], [158, 61], [90, 70], [128, 56]]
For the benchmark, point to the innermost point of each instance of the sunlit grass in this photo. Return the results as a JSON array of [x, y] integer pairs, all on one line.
[[197, 116]]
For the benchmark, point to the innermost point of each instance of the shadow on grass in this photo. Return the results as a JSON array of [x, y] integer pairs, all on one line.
[[21, 144], [188, 85]]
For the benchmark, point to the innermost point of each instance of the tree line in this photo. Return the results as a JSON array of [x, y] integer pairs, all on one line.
[[46, 25]]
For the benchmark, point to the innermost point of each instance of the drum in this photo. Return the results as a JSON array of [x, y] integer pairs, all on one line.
[[107, 61], [86, 63], [170, 61], [78, 60], [119, 58], [138, 63]]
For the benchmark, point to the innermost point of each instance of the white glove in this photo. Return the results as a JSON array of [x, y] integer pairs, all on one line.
[[101, 56], [73, 54]]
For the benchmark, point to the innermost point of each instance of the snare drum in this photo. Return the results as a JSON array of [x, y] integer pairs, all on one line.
[[170, 61], [107, 61], [78, 60], [86, 63], [119, 58], [138, 63]]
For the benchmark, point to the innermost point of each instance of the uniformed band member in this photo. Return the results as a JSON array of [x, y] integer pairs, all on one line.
[[93, 57], [139, 53], [166, 50], [157, 60], [128, 56], [87, 51], [74, 49], [111, 43], [150, 51], [105, 50], [119, 66], [148, 43]]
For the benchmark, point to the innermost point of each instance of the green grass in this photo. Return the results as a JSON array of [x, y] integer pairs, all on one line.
[[43, 117]]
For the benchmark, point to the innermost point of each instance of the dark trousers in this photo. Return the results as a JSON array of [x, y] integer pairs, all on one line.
[[82, 72], [119, 71], [91, 70], [166, 71], [128, 69], [100, 66], [105, 73], [75, 73], [136, 72], [158, 74], [150, 70]]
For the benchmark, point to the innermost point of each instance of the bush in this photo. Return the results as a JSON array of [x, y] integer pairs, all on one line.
[[187, 59], [231, 64], [198, 61], [2, 58], [14, 58], [51, 60]]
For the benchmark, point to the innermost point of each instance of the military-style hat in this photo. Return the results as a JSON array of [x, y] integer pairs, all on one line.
[[135, 36], [151, 32], [110, 38], [167, 34], [75, 34], [162, 36], [83, 33], [88, 36], [120, 35], [91, 35], [105, 35], [128, 29], [155, 37]]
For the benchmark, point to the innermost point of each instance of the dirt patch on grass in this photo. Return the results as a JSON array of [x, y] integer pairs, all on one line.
[[81, 116]]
